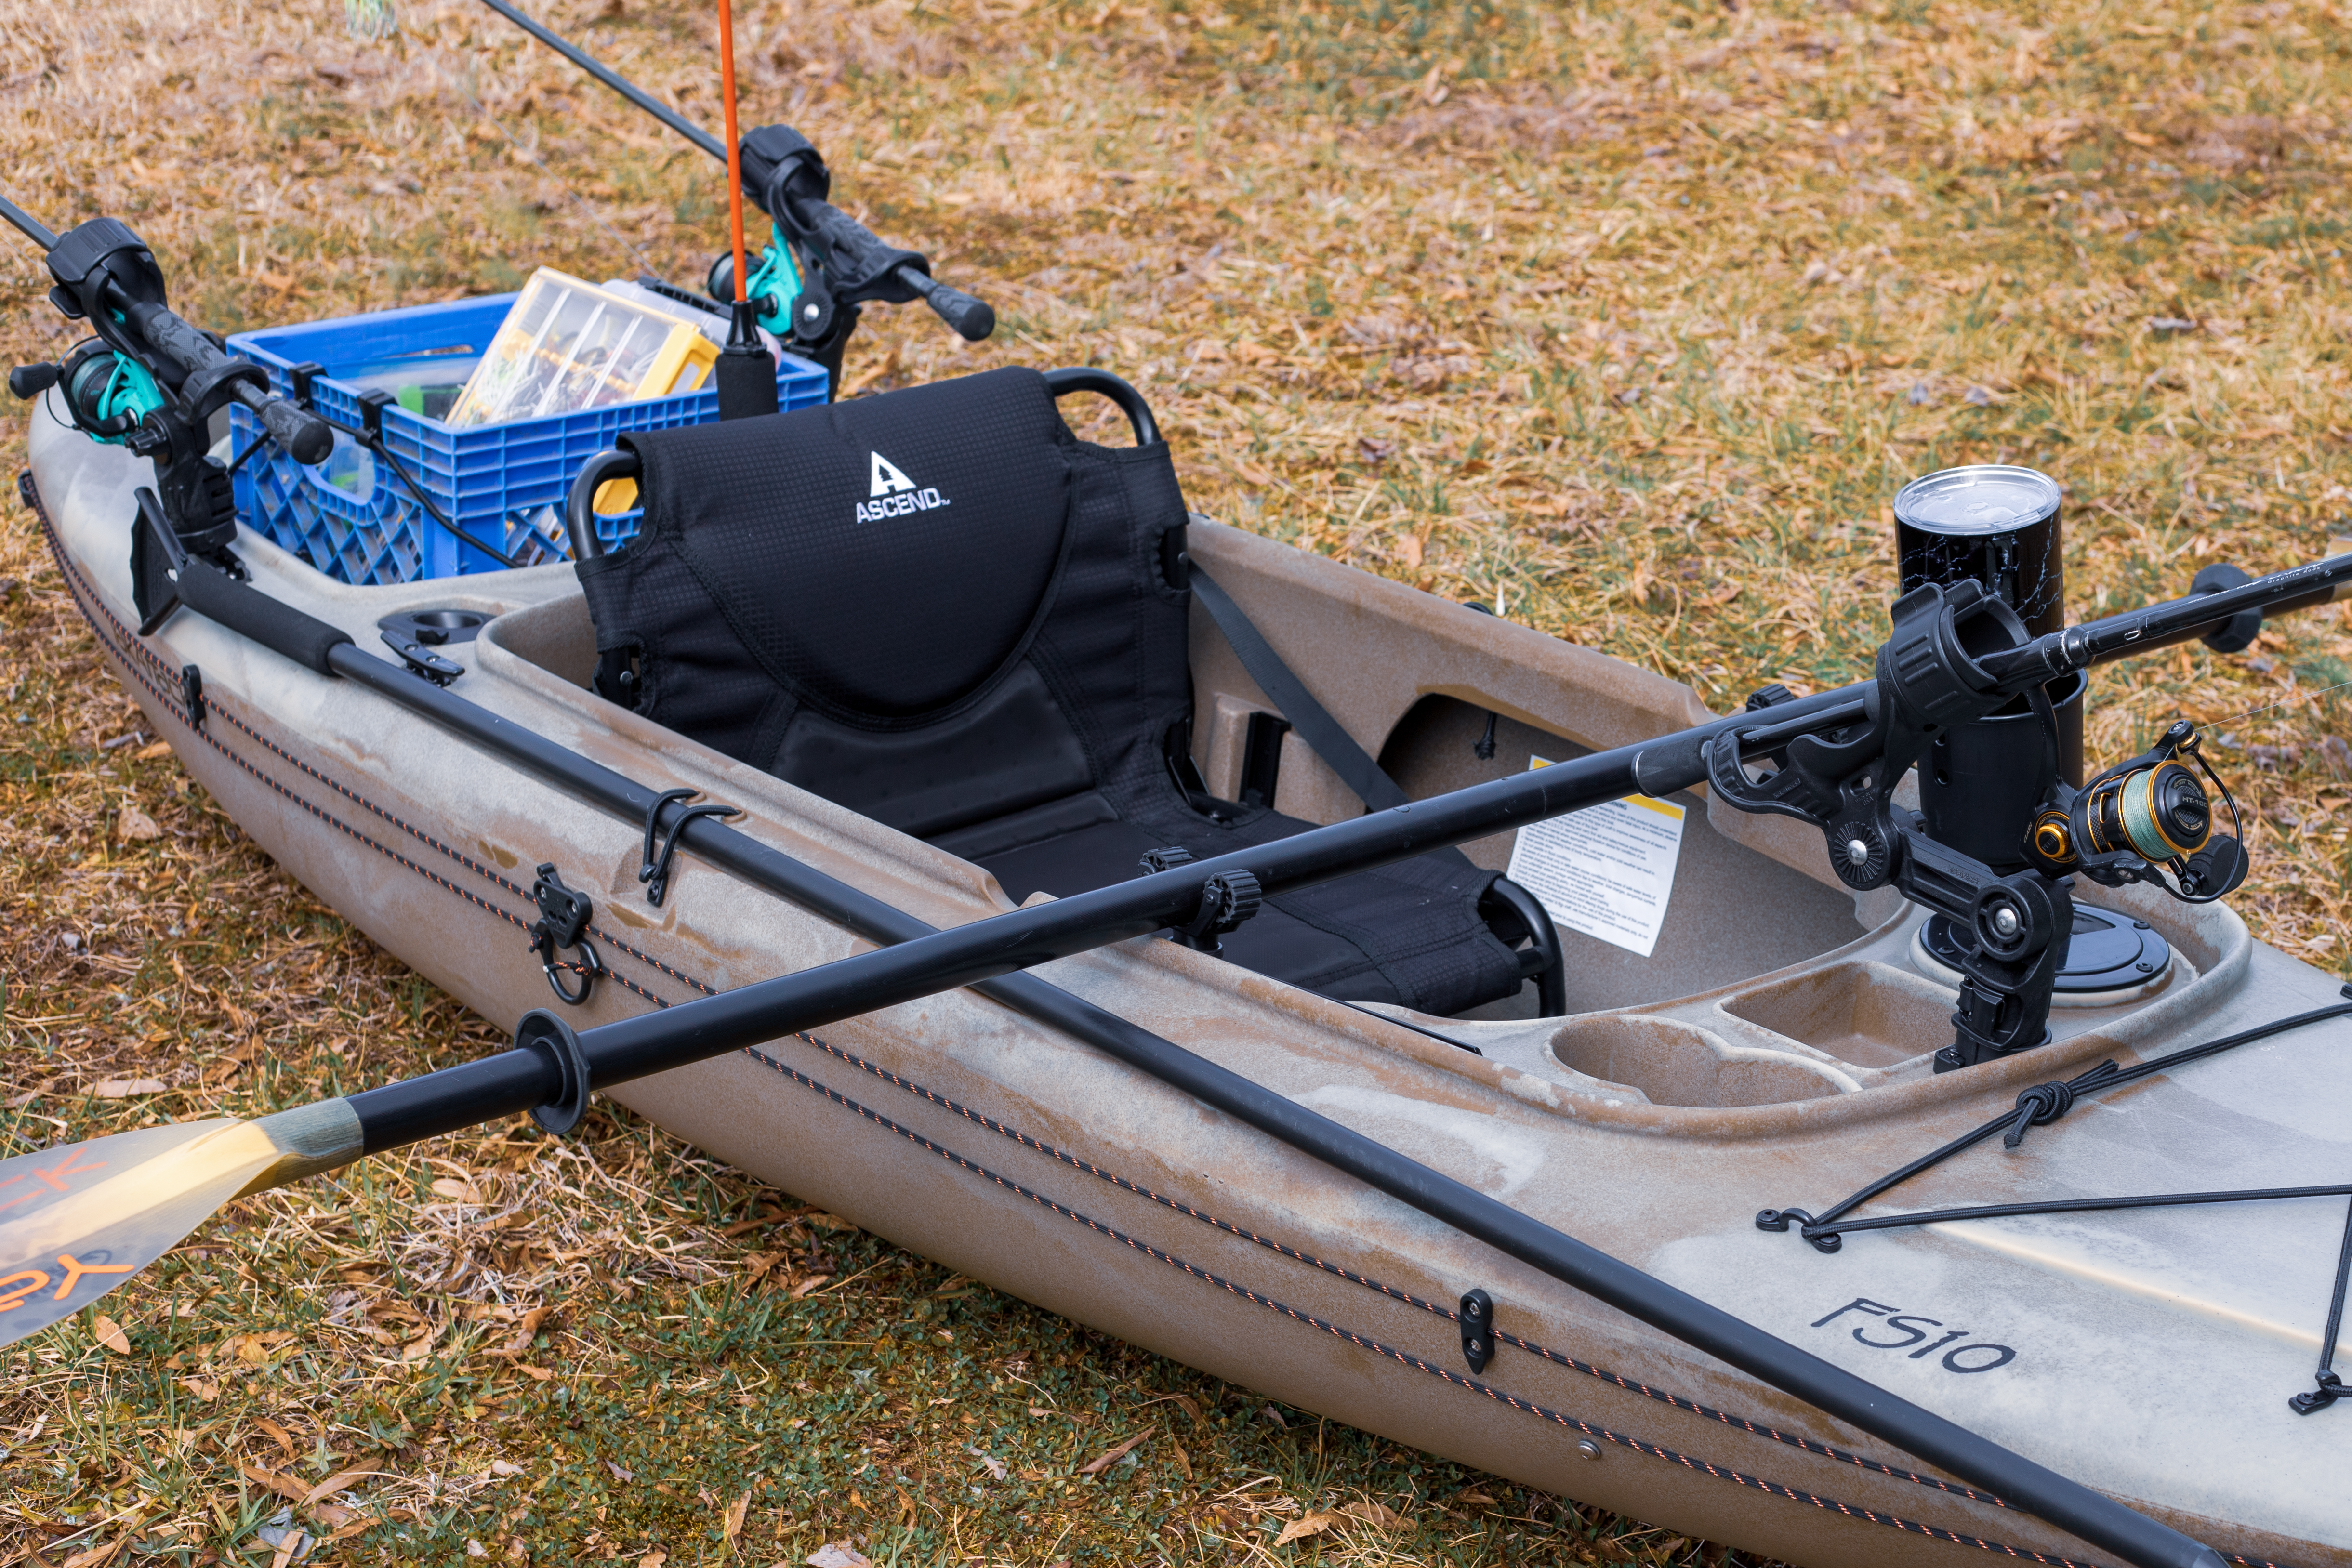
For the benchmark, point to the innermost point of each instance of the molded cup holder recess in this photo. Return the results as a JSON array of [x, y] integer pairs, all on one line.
[[1675, 1063], [1870, 1014]]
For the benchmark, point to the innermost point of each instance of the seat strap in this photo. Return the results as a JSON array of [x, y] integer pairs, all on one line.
[[1322, 733]]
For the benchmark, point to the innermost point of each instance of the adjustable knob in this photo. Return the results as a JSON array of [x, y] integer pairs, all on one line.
[[1858, 853]]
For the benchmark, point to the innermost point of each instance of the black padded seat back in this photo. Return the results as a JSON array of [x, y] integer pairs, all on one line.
[[882, 557], [842, 595], [1000, 671], [924, 605]]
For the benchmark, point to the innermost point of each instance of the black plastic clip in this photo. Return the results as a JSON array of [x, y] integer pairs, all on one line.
[[562, 924], [653, 868], [423, 660], [1154, 861], [1478, 1318], [2331, 1388], [1227, 899], [191, 694], [373, 402], [541, 1031], [303, 375]]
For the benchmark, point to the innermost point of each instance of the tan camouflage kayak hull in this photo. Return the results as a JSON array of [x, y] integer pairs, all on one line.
[[1770, 1050]]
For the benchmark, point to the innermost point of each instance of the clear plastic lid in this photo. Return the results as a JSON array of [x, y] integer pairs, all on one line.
[[1983, 499]]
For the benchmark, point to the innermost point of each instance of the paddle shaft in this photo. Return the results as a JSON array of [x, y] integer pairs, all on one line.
[[518, 1081]]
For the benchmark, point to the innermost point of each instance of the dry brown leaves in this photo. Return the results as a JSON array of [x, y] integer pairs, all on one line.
[[1629, 319]]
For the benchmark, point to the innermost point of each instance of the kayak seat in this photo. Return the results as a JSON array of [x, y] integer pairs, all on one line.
[[940, 608]]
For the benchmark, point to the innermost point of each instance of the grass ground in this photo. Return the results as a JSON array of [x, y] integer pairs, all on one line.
[[1631, 317]]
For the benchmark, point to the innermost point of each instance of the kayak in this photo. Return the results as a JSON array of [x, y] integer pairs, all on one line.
[[1741, 1033]]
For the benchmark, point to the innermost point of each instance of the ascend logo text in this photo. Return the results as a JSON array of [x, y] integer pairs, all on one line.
[[893, 494]]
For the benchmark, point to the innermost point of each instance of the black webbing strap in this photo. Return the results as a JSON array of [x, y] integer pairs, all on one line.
[[1323, 734]]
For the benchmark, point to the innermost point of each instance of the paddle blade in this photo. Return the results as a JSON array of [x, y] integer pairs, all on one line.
[[79, 1220]]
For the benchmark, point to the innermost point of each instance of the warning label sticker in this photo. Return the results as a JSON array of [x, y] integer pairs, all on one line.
[[1606, 871]]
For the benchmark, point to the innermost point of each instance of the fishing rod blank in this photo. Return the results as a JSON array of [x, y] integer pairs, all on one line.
[[613, 79], [745, 374], [33, 229]]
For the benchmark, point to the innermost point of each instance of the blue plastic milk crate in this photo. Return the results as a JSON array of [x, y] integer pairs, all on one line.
[[357, 520]]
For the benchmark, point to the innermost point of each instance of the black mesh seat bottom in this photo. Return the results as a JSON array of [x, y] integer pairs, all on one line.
[[1351, 939]]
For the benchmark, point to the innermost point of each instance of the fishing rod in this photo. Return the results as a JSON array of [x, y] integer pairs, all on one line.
[[821, 264], [149, 381], [551, 1069]]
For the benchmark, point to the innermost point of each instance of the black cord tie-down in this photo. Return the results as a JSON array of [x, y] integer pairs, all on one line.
[[653, 863], [2330, 1387], [2042, 1103], [2046, 1103]]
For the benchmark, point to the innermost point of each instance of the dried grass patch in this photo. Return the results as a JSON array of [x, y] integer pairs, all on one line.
[[1634, 317]]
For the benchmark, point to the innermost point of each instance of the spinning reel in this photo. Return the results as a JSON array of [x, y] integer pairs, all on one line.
[[108, 395], [2142, 818], [113, 397], [1967, 689]]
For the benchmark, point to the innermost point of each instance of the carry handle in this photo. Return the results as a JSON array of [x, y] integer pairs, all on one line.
[[1086, 378], [579, 506]]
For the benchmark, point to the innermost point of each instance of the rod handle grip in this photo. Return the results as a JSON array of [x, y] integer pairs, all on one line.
[[303, 435], [973, 319]]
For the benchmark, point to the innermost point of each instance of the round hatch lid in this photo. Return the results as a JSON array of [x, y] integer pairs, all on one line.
[[2111, 958]]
